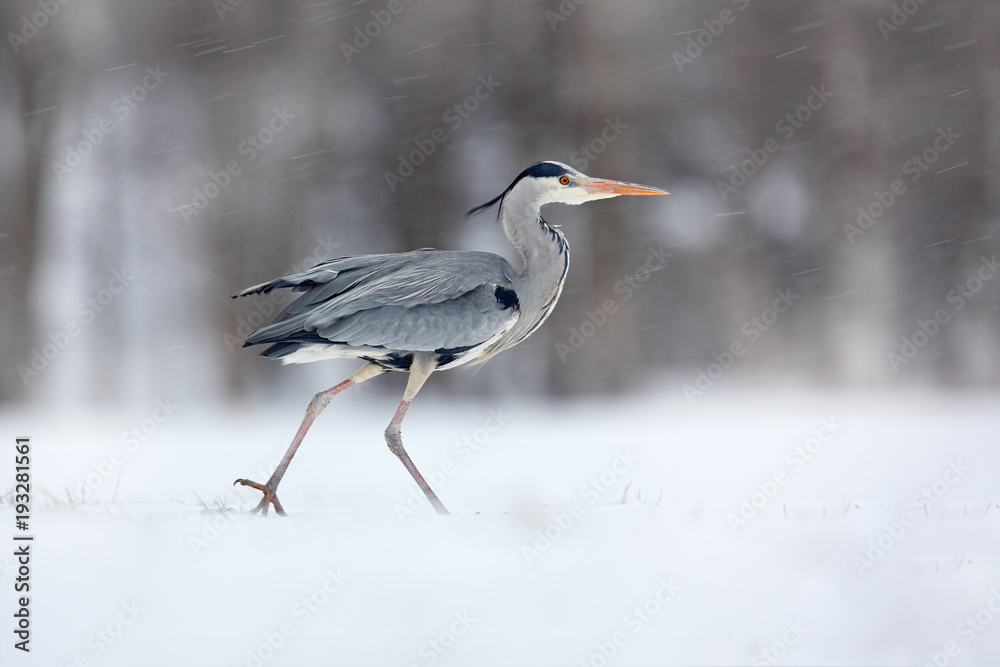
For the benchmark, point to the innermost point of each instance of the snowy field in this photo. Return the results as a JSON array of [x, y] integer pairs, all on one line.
[[773, 527]]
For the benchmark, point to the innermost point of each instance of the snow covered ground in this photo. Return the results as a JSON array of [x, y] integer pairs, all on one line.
[[582, 533]]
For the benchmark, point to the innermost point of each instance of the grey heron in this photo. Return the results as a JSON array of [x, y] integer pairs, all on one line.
[[428, 310]]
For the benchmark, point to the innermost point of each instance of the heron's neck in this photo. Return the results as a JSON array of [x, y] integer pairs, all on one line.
[[545, 261], [543, 248]]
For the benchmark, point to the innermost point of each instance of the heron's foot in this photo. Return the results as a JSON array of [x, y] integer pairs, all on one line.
[[270, 497]]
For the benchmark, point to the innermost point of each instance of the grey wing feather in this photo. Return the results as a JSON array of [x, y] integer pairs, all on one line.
[[420, 300], [335, 274], [461, 322]]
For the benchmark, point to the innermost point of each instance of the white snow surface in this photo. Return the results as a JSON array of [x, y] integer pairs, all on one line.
[[162, 564]]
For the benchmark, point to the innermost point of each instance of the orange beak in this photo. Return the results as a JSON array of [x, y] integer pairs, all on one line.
[[596, 185]]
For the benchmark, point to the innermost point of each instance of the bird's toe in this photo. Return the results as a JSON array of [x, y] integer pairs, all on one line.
[[270, 497]]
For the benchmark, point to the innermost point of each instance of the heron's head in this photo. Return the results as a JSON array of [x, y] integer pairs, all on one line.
[[556, 183]]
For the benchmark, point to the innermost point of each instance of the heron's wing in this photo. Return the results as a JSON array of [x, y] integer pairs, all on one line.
[[455, 324], [338, 274], [421, 300]]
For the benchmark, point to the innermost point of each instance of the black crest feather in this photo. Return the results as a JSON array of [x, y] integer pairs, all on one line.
[[537, 170]]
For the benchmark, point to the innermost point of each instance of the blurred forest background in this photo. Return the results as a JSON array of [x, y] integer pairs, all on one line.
[[123, 235]]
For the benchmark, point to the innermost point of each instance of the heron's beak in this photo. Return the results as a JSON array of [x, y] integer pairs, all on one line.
[[602, 186]]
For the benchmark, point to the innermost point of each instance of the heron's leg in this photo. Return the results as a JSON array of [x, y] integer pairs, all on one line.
[[316, 405], [420, 369]]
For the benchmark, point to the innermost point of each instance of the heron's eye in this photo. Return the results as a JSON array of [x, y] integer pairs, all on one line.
[[564, 180]]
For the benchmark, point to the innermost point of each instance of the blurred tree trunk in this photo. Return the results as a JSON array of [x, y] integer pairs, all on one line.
[[23, 203], [608, 360]]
